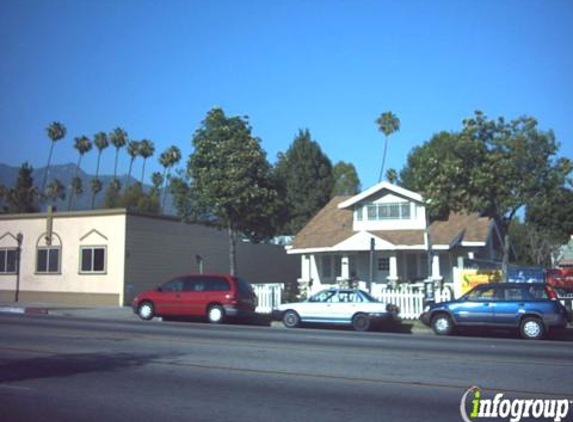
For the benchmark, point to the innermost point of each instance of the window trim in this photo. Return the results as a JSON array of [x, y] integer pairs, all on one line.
[[6, 250], [48, 272], [374, 211], [92, 272]]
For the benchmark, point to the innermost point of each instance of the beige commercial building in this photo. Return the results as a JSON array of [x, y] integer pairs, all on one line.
[[106, 257]]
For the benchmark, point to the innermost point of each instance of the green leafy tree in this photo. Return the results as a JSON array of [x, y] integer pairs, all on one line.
[[146, 150], [134, 198], [101, 142], [56, 191], [491, 166], [83, 145], [387, 123], [23, 197], [232, 180], [56, 131], [553, 214], [306, 181], [346, 181]]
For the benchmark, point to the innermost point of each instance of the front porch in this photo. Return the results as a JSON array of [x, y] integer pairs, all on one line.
[[382, 268]]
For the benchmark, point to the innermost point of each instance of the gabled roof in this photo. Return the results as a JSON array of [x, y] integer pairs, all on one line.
[[333, 225], [327, 228], [377, 188]]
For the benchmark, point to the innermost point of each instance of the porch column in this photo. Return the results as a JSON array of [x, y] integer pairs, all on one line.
[[345, 268], [393, 270], [436, 276]]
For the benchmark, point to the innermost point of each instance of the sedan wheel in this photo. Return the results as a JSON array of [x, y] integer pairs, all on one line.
[[531, 328], [361, 322], [216, 314], [291, 319], [146, 311], [442, 325]]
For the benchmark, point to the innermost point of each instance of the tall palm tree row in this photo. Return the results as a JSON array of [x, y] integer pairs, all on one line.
[[118, 139], [101, 142], [83, 145], [56, 131], [146, 150], [55, 190], [387, 123], [133, 148], [168, 159]]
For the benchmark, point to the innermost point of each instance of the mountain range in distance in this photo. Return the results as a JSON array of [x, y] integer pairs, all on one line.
[[65, 173]]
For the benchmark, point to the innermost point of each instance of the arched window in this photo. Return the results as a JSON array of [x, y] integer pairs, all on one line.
[[8, 253], [49, 254]]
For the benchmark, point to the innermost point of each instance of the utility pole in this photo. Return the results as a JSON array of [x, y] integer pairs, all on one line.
[[19, 238]]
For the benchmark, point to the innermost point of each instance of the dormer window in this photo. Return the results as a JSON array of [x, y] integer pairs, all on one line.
[[389, 211]]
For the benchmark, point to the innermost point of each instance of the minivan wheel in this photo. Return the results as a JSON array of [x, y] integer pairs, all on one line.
[[360, 322], [216, 314], [291, 319], [531, 328], [146, 311], [442, 325]]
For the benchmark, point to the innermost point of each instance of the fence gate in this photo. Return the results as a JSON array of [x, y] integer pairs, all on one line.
[[268, 296]]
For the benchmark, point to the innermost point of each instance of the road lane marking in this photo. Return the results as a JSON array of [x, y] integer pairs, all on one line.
[[15, 387]]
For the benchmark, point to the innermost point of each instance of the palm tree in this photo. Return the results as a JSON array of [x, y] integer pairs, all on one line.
[[168, 159], [56, 190], [392, 176], [118, 139], [388, 123], [133, 148], [82, 145], [101, 142], [146, 150], [56, 131]]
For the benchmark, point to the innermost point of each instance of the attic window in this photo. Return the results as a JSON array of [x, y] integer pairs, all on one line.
[[390, 211]]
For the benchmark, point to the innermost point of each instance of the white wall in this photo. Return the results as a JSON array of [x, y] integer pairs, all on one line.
[[68, 230]]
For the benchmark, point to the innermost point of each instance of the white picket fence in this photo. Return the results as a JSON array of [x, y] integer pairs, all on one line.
[[410, 300], [268, 295]]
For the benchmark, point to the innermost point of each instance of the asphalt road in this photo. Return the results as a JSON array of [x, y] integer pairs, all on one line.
[[72, 369]]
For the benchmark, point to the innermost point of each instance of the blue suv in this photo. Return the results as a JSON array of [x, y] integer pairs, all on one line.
[[532, 308]]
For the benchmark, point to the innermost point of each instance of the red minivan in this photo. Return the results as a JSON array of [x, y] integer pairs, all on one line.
[[214, 296]]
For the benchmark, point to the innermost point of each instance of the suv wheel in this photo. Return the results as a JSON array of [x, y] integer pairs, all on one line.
[[146, 311], [360, 322], [442, 325], [216, 314], [291, 319], [531, 328]]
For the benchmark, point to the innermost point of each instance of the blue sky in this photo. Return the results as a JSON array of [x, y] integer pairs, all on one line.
[[156, 67]]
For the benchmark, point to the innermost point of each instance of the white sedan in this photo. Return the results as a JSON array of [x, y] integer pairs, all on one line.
[[337, 306]]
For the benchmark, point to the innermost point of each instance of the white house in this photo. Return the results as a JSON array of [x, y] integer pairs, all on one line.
[[106, 257], [335, 246]]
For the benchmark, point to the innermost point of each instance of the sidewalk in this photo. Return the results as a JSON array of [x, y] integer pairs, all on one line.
[[40, 308], [126, 313]]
